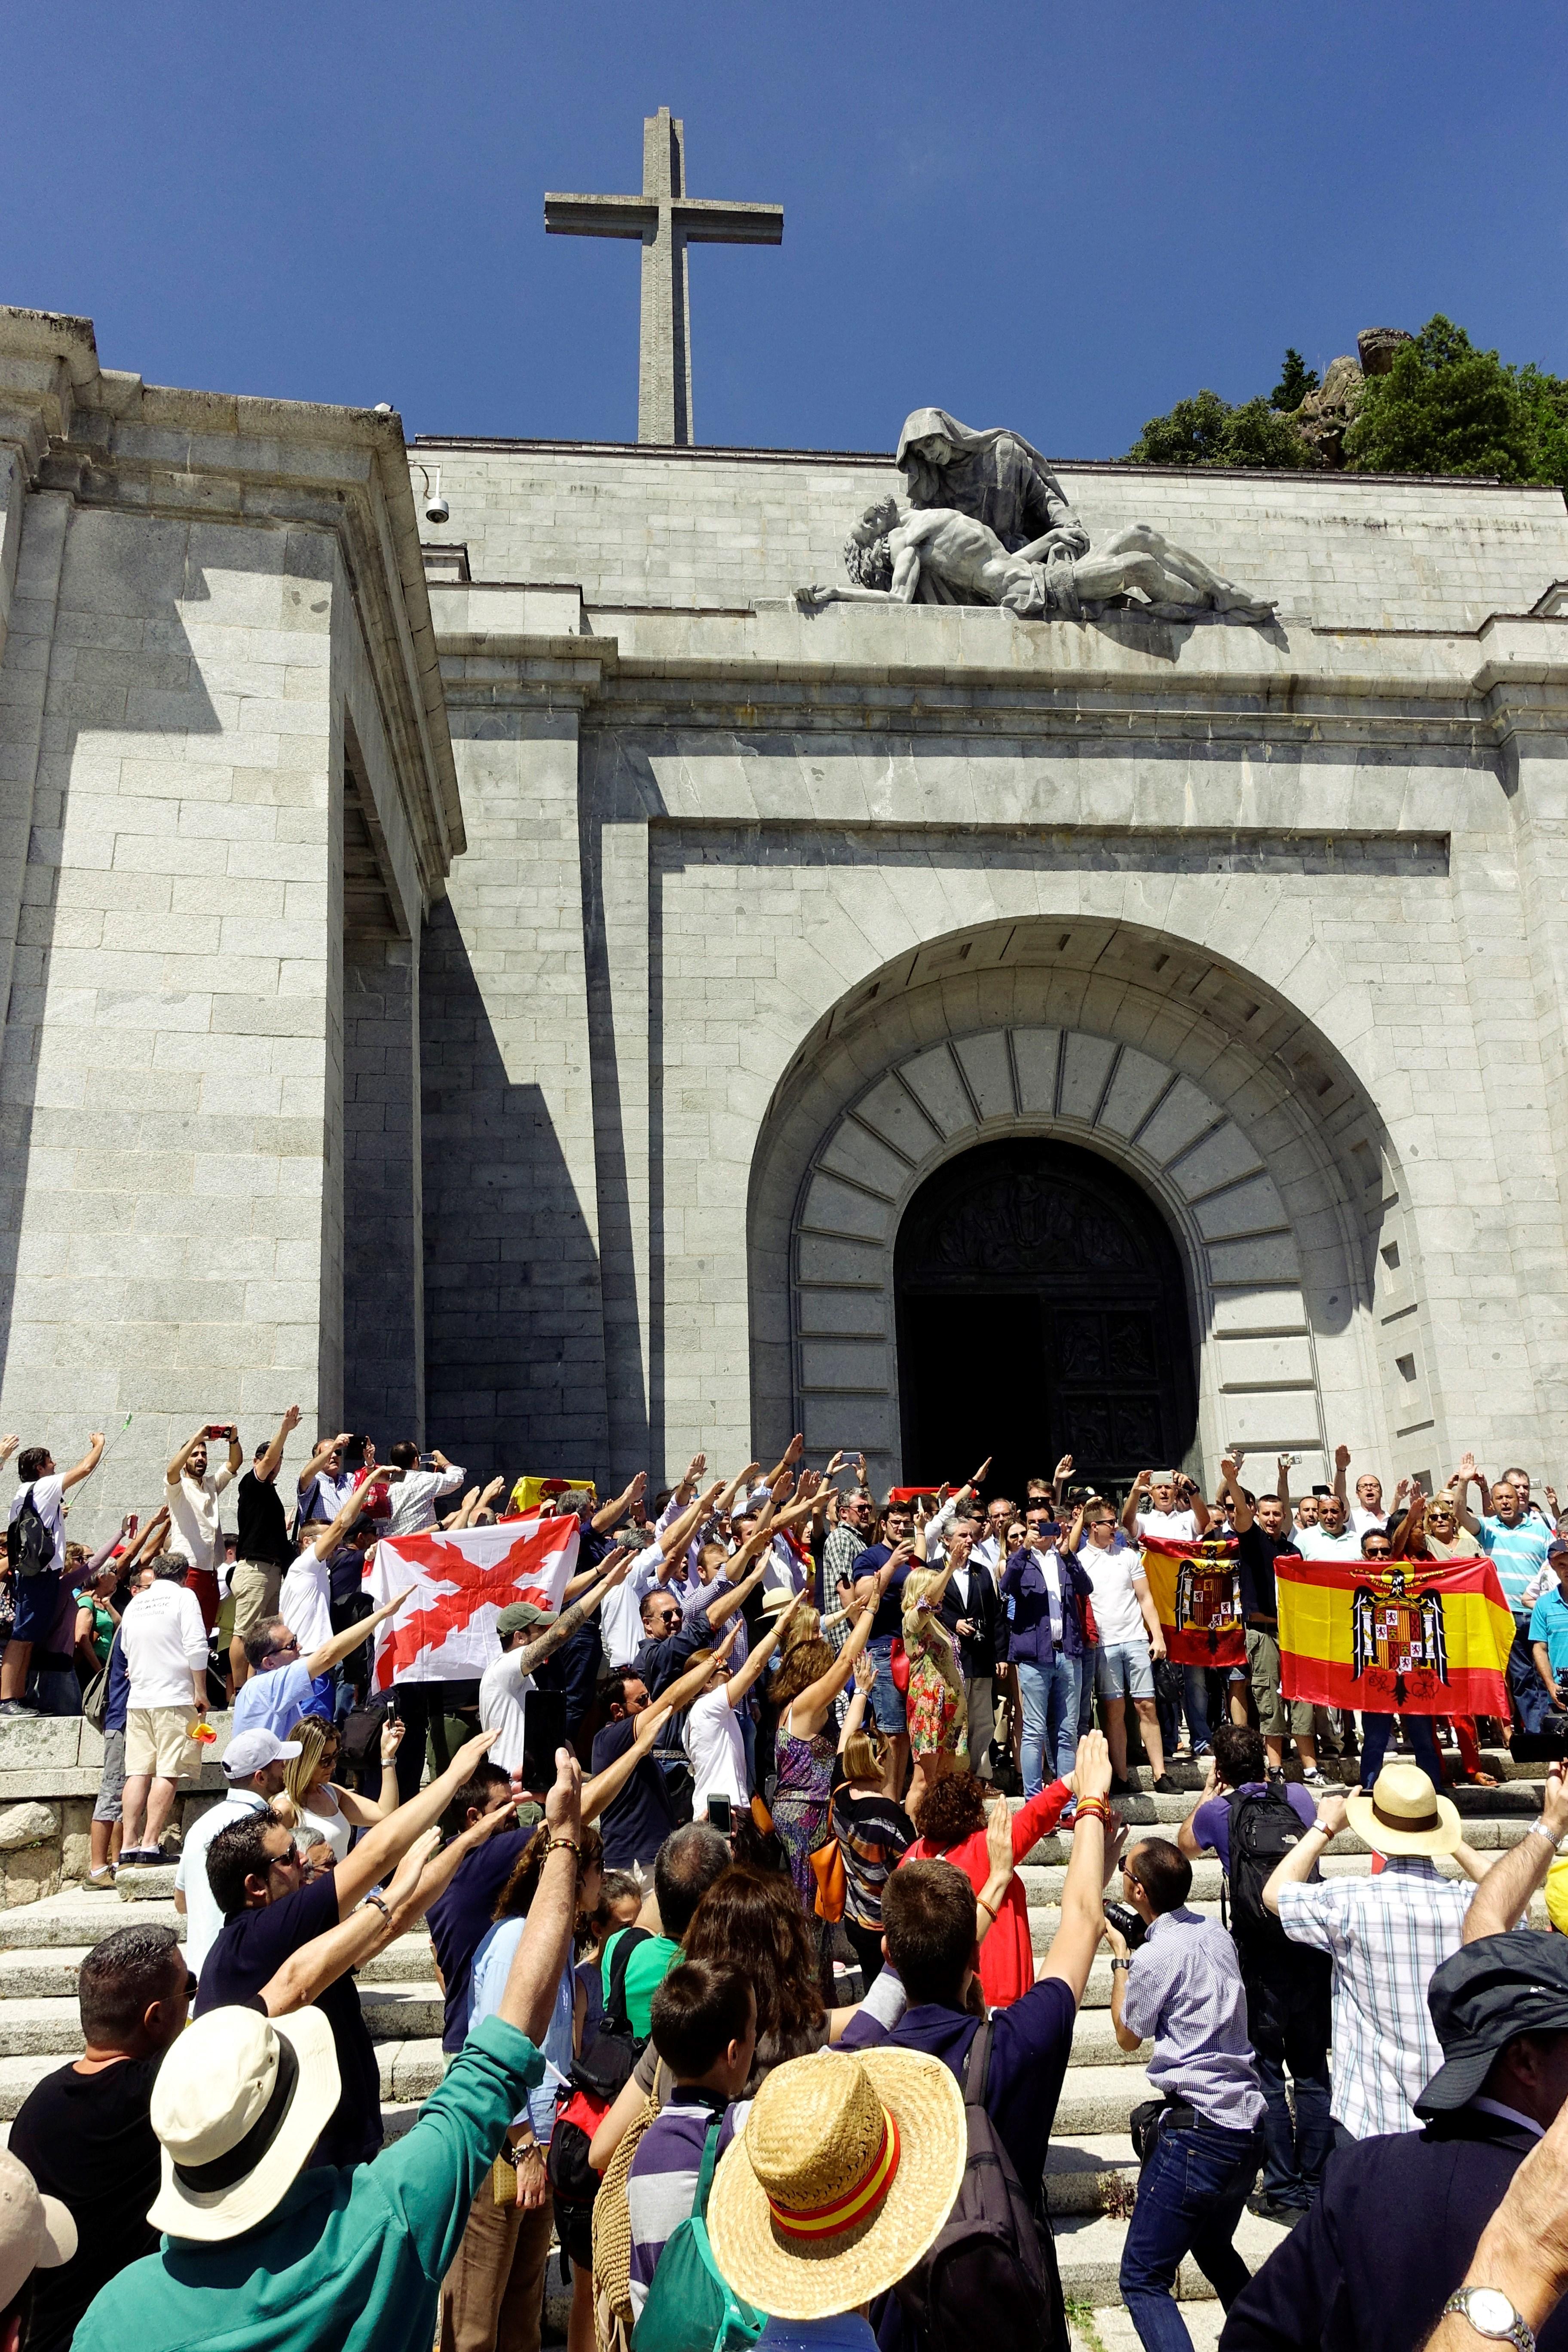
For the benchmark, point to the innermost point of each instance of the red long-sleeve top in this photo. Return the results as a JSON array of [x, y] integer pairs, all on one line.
[[1006, 1955]]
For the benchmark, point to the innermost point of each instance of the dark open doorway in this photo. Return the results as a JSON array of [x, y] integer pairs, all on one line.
[[1041, 1311]]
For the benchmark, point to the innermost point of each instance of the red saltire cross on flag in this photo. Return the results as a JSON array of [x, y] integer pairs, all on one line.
[[446, 1630]]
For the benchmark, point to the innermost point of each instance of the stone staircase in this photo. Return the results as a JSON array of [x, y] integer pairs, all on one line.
[[1091, 2174]]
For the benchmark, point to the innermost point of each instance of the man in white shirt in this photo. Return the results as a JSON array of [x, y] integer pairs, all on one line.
[[504, 1685], [1330, 1538], [415, 1492], [164, 1644], [37, 1598], [304, 1599], [191, 1494], [254, 1764], [1174, 1512], [621, 1627]]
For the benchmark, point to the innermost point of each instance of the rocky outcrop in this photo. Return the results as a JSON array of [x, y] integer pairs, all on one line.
[[1377, 346], [1326, 415]]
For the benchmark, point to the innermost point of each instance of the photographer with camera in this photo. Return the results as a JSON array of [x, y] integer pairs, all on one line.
[[1199, 2147]]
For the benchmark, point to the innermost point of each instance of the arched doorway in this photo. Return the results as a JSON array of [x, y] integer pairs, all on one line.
[[1041, 1311]]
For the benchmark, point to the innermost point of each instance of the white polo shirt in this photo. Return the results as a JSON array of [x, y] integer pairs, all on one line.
[[194, 1516]]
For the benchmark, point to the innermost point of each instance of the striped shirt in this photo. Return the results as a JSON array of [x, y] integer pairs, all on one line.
[[1386, 1935], [661, 2186]]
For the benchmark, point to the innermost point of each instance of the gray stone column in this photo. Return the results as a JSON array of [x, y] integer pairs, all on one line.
[[383, 1288]]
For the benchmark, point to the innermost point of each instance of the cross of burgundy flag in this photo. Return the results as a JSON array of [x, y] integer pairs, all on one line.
[[446, 1630]]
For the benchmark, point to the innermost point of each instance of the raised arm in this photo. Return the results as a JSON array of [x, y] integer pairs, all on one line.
[[1241, 1513], [271, 1462], [854, 1713], [818, 1698], [332, 1653], [1135, 1495], [177, 1469], [614, 1513], [786, 1460], [1407, 1534], [528, 1998], [88, 1465], [1342, 1465], [741, 1682], [1198, 1504], [675, 1537], [306, 1974], [533, 1653], [726, 1502], [319, 1455], [1308, 1851], [383, 1847], [1077, 1939], [724, 1604]]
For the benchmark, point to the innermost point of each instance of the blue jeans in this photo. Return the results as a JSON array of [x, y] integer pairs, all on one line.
[[1034, 1694], [1195, 1703], [1191, 2195], [1294, 2153], [1063, 1692], [1376, 1730], [886, 1706]]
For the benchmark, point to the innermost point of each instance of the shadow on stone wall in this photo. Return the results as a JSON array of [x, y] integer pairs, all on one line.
[[514, 1344]]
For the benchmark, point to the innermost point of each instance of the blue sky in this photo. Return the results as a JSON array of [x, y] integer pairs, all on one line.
[[1055, 218]]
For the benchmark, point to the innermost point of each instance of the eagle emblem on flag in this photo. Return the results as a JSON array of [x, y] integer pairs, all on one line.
[[1208, 1598], [1397, 1629]]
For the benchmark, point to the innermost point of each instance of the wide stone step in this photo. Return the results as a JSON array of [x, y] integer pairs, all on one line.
[[1089, 2250], [1108, 2327], [73, 1917], [1348, 1857], [1098, 2098], [42, 1971], [1090, 2173], [1487, 1833], [410, 2070]]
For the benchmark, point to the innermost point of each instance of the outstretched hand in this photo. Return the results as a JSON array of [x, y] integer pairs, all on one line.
[[563, 1803], [1091, 1769]]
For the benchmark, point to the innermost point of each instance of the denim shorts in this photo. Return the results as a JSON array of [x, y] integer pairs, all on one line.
[[1124, 1670], [886, 1704]]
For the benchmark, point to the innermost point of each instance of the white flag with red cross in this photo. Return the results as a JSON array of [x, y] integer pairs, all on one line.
[[446, 1630]]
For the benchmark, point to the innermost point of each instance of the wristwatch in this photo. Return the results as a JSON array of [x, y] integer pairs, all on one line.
[[1490, 2314], [1121, 1964]]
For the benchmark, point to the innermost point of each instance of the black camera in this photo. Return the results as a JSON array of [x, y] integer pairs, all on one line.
[[1128, 1924]]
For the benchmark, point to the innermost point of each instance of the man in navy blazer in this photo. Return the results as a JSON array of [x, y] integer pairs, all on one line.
[[1397, 2218]]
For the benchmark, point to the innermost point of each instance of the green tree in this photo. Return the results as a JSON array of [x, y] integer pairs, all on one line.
[[1545, 399], [1444, 407], [1295, 380], [1208, 431]]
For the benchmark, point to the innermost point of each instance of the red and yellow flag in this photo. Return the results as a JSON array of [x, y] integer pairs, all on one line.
[[1402, 1636], [1196, 1593]]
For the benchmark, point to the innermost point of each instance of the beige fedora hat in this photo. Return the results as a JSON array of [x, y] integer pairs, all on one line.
[[846, 2169], [36, 2232], [239, 2104], [1403, 1814]]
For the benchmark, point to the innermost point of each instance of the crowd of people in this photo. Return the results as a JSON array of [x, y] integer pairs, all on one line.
[[742, 2005]]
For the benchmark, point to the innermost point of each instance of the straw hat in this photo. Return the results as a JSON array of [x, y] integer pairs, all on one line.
[[1403, 1814], [36, 2232], [239, 2104], [845, 2173]]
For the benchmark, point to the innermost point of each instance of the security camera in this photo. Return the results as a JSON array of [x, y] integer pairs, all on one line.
[[436, 507]]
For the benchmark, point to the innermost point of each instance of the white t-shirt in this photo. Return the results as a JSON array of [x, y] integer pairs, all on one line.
[[1317, 1543], [204, 1920], [164, 1644], [324, 1829], [1050, 1568], [620, 1612], [48, 1500], [414, 1499], [1360, 1521], [304, 1602], [192, 1514], [503, 1702], [1168, 1527], [716, 1750], [1116, 1610]]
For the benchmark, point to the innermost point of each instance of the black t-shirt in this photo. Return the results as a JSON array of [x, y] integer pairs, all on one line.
[[890, 1617], [1256, 1554], [263, 1528], [86, 2139], [634, 1824], [250, 1952], [459, 1919]]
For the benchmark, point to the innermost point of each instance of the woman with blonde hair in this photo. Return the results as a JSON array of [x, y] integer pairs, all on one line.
[[311, 1802], [934, 1702]]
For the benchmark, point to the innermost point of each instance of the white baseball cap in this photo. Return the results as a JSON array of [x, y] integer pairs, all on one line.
[[238, 2103], [36, 2232], [251, 1751]]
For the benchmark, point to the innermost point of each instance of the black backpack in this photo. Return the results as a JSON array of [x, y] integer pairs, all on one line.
[[1263, 1831], [597, 2079], [991, 2255], [29, 1546]]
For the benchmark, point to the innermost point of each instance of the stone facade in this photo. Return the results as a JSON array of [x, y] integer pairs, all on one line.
[[811, 902], [226, 802], [652, 940]]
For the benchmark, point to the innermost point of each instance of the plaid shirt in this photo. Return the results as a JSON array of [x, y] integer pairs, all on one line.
[[842, 1548], [1386, 1935]]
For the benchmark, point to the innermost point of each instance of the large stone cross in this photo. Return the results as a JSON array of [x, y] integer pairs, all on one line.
[[666, 220]]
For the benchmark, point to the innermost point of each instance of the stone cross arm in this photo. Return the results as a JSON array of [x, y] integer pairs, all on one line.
[[701, 220]]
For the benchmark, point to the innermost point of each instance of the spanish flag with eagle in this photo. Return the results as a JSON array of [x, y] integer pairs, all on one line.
[[1394, 1637], [1196, 1591]]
